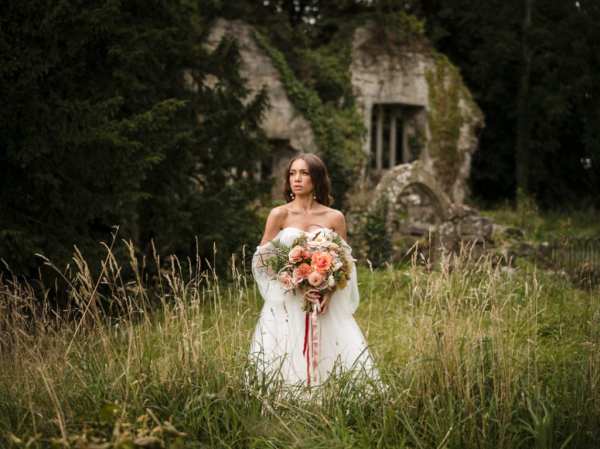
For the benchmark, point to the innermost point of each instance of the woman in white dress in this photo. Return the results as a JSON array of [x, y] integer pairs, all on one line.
[[279, 339]]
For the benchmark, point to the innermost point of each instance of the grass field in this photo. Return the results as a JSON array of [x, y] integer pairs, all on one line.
[[473, 356], [547, 225]]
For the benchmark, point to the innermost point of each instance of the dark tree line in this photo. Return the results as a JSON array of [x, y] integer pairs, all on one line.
[[99, 127]]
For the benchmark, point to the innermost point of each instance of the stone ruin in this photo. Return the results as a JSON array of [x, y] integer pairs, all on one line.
[[420, 217], [415, 107], [422, 127]]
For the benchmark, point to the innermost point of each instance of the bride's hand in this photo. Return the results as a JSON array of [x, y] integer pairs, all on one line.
[[316, 297], [313, 296], [325, 302]]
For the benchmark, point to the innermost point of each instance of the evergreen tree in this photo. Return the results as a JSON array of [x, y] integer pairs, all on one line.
[[99, 129]]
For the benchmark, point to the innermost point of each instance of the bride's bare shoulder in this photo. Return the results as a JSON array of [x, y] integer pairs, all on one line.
[[338, 221], [334, 214], [278, 214], [275, 220]]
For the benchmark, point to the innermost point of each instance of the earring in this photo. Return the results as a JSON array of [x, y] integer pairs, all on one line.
[[314, 196], [292, 196]]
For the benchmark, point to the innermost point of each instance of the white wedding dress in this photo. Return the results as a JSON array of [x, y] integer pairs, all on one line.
[[278, 340]]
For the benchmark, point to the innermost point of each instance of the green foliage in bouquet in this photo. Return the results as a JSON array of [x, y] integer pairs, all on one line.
[[278, 257]]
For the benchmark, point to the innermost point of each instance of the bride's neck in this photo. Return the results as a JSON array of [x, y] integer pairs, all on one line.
[[304, 204]]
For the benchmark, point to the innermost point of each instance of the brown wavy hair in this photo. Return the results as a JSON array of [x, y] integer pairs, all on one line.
[[318, 174]]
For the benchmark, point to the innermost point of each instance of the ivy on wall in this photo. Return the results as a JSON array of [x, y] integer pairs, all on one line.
[[338, 129]]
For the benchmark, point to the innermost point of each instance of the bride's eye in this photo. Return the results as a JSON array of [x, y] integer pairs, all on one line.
[[302, 172]]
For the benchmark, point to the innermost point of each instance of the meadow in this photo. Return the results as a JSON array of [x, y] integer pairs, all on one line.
[[473, 354]]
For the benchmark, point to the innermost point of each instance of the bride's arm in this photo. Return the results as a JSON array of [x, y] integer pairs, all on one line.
[[270, 288], [352, 295], [349, 296], [274, 223]]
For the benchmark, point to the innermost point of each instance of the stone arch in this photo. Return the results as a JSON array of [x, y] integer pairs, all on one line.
[[416, 203]]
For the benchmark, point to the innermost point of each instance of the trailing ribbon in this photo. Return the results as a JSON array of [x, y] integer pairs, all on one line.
[[311, 345]]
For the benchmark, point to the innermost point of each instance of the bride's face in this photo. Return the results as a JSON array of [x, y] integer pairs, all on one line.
[[300, 180]]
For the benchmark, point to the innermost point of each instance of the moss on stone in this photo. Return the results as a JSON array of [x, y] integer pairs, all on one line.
[[446, 117]]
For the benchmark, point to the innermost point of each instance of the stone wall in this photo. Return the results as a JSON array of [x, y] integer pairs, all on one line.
[[420, 80], [282, 121]]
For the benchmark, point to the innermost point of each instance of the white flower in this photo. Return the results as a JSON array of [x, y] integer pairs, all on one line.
[[320, 238], [330, 281]]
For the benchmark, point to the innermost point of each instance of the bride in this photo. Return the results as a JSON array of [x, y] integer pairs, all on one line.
[[280, 336]]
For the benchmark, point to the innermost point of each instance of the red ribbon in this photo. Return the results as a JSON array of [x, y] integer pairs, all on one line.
[[311, 345], [304, 350]]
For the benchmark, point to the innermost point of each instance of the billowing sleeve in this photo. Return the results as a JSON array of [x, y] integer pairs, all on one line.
[[268, 286], [349, 296]]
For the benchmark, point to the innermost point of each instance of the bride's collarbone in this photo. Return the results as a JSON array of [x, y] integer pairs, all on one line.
[[307, 220], [311, 213]]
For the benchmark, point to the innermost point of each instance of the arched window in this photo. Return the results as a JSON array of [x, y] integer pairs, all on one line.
[[397, 134]]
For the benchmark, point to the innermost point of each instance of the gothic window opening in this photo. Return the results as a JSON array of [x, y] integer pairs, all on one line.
[[396, 134]]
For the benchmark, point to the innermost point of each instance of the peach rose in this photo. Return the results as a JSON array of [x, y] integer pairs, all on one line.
[[302, 272], [286, 280], [297, 253], [315, 278], [321, 261]]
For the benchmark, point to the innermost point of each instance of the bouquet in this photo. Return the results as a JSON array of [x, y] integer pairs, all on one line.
[[313, 261]]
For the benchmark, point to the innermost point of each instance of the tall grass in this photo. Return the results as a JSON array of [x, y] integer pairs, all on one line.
[[472, 355]]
